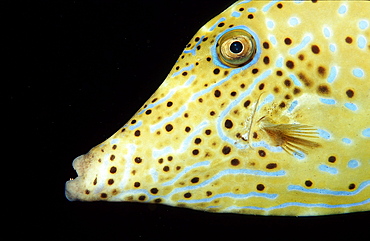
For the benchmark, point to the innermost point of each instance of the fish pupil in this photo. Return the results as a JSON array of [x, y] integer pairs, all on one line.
[[236, 47]]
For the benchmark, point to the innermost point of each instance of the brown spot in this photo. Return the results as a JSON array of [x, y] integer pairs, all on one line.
[[351, 186], [112, 157], [103, 195], [148, 112], [157, 200], [114, 147], [138, 160], [321, 70], [235, 162], [208, 132], [137, 184], [261, 86], [208, 193], [296, 91], [197, 140], [217, 93], [260, 187], [287, 83], [315, 49], [265, 45], [247, 103], [350, 93], [216, 71], [305, 80], [154, 190], [184, 73], [141, 197], [166, 168], [289, 64], [276, 89], [287, 41], [187, 195], [194, 180], [323, 89], [254, 71], [95, 181], [228, 124], [137, 133], [87, 192], [301, 57], [169, 127], [308, 183], [279, 73], [262, 153], [226, 150], [349, 40], [266, 60], [332, 159], [282, 104], [271, 165], [110, 181], [280, 5], [112, 170], [169, 103], [195, 152]]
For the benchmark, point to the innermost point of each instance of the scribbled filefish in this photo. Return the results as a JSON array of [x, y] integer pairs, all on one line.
[[266, 111]]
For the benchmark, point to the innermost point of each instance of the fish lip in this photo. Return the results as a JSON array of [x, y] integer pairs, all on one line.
[[71, 186]]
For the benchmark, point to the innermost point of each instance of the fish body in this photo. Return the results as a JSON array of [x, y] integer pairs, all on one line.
[[265, 112]]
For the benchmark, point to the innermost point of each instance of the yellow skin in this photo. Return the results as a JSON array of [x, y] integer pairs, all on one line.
[[286, 133]]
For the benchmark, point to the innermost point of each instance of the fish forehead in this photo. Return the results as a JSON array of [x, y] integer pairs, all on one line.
[[187, 145]]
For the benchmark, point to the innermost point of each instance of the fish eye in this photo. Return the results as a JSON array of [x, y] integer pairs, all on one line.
[[236, 48]]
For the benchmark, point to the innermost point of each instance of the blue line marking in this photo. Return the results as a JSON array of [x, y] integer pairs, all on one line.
[[188, 140], [166, 120], [300, 46], [332, 47], [342, 9], [351, 106], [236, 14], [328, 101], [267, 146], [233, 196], [270, 24], [306, 205], [299, 155], [279, 62], [161, 152], [137, 125], [194, 49], [293, 21], [265, 101], [160, 101], [295, 80], [326, 32], [328, 169], [347, 140], [153, 172], [361, 42], [272, 39], [323, 134], [366, 132], [190, 80], [333, 74], [252, 10], [353, 164], [358, 72], [363, 24], [362, 186], [293, 105], [215, 25], [190, 67], [269, 5], [186, 170]]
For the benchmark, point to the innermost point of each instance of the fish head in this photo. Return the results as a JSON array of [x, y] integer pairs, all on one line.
[[250, 113]]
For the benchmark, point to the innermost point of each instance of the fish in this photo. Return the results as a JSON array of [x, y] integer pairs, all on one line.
[[265, 112]]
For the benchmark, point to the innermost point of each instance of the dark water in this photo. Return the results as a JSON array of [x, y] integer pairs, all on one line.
[[79, 71]]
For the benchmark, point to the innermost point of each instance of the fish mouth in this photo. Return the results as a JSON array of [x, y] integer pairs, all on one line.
[[72, 187]]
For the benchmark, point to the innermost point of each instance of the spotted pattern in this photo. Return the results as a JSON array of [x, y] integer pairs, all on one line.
[[288, 133]]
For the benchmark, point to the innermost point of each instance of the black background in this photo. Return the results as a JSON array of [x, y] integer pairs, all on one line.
[[75, 72]]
